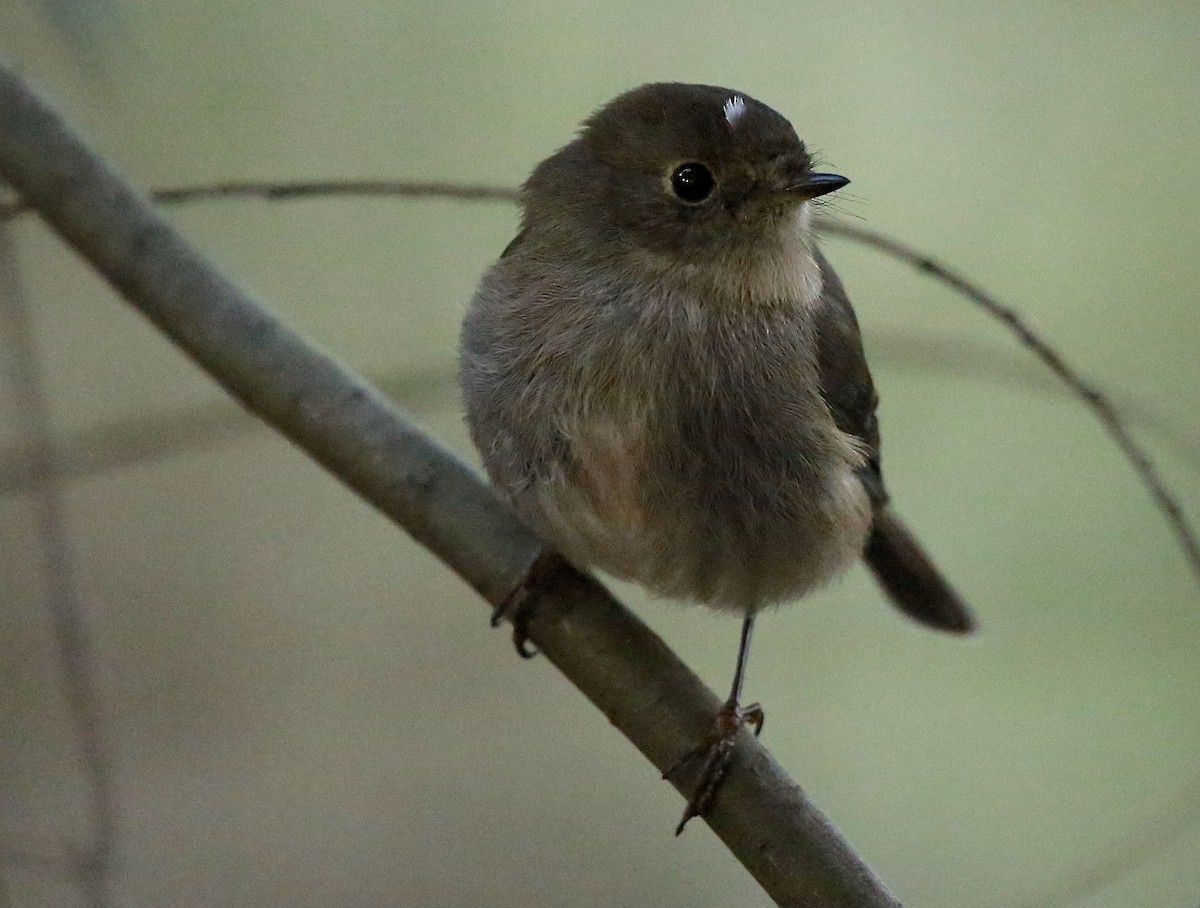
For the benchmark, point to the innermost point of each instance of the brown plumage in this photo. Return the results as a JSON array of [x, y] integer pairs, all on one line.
[[665, 375]]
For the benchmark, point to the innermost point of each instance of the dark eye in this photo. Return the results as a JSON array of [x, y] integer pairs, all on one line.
[[692, 182]]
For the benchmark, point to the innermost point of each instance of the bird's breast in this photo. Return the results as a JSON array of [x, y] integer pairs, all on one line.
[[706, 466]]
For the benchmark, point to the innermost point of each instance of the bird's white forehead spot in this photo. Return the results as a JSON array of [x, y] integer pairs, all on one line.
[[735, 109]]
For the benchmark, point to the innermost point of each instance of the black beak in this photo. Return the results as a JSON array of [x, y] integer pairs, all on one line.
[[817, 184]]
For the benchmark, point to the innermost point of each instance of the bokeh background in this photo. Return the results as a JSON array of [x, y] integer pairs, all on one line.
[[304, 708]]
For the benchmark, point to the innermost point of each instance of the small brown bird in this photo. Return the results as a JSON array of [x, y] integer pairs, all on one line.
[[665, 376]]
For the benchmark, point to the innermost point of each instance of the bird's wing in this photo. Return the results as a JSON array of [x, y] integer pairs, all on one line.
[[906, 573], [845, 379]]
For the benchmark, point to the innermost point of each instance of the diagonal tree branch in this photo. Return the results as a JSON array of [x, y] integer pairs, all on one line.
[[641, 687]]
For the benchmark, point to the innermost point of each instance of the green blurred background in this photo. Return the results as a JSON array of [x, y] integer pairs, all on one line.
[[307, 709]]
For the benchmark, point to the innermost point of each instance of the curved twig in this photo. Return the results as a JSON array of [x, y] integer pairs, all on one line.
[[1095, 399], [272, 191]]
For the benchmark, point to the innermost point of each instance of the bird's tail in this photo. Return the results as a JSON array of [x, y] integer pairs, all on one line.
[[911, 579]]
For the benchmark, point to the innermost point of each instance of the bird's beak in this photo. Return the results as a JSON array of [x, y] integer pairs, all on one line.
[[815, 184]]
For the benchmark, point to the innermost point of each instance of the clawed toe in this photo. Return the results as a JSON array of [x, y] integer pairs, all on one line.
[[515, 607], [518, 606], [715, 752]]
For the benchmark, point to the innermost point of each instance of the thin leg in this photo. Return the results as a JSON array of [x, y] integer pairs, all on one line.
[[717, 750], [739, 671]]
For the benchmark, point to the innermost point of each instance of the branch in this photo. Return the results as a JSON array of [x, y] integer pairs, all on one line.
[[615, 660]]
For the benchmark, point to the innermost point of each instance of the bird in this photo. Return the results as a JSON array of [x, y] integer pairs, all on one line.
[[664, 376]]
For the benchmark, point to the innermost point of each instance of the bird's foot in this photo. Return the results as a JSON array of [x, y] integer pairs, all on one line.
[[517, 607], [715, 752]]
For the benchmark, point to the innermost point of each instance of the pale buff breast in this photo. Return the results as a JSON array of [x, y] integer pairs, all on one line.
[[606, 511]]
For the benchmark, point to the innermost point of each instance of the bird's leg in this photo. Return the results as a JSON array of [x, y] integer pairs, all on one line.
[[718, 748], [518, 605]]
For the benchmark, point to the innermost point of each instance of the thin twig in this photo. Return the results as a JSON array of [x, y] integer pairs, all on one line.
[[1095, 399], [918, 350], [276, 191], [622, 666], [60, 574], [1092, 397]]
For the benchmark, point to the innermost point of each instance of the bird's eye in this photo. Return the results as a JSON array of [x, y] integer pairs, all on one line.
[[692, 182]]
